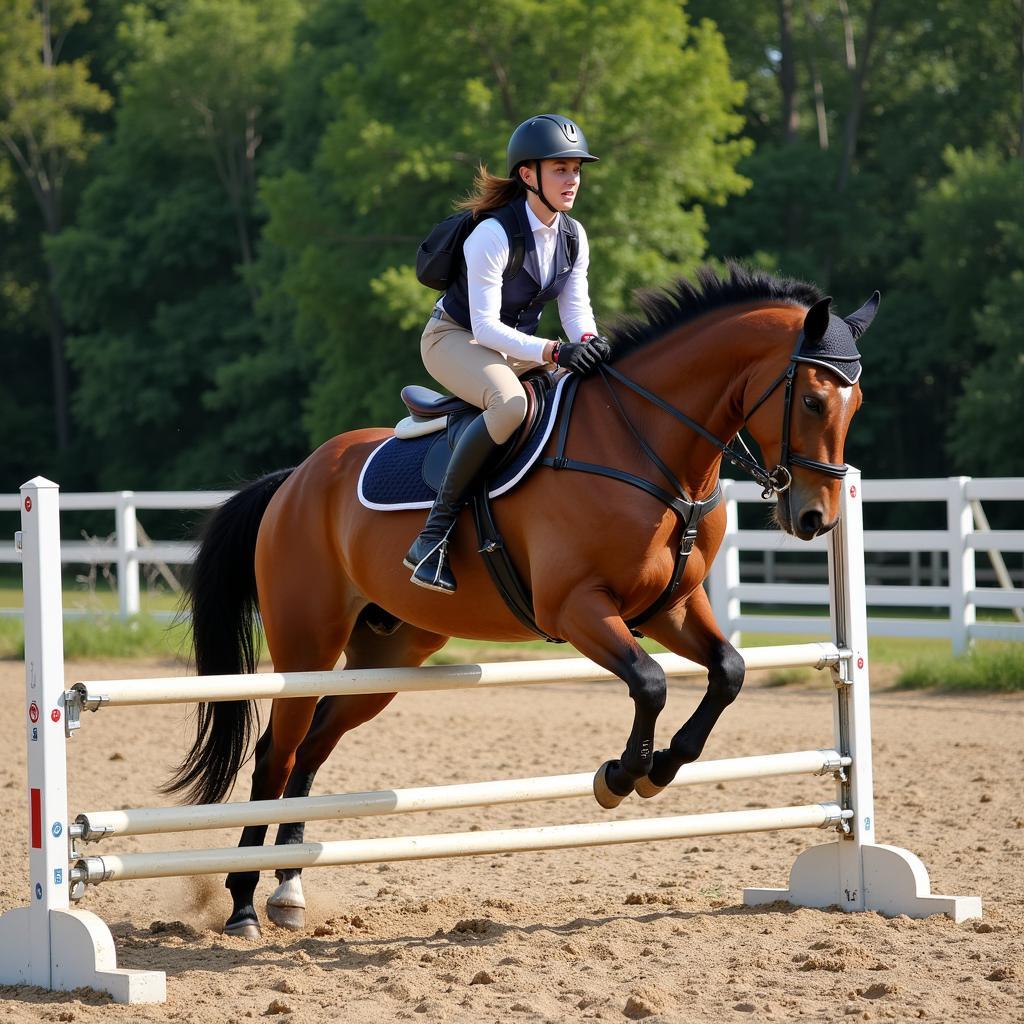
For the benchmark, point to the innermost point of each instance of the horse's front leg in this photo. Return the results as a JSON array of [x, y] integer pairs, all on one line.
[[689, 629], [595, 628]]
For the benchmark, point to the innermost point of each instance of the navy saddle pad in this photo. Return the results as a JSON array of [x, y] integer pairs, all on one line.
[[403, 474]]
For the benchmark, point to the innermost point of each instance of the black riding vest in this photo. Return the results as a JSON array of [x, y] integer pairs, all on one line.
[[522, 298]]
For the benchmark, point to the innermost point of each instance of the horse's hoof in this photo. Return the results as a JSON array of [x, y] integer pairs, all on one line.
[[246, 928], [603, 793], [292, 918], [645, 788]]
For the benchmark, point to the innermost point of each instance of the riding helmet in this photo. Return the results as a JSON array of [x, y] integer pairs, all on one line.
[[547, 137]]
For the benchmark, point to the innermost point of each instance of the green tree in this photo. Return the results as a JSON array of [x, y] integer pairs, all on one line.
[[970, 268], [844, 191], [156, 271], [418, 99], [45, 106]]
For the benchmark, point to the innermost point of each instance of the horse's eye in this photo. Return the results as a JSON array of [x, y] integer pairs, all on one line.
[[814, 404]]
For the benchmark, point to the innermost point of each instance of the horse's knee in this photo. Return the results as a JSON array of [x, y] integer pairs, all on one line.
[[648, 688], [725, 677]]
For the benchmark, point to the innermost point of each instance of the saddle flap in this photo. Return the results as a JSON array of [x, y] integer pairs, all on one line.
[[436, 461]]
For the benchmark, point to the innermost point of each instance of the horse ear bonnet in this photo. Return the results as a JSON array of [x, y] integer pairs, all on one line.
[[836, 350]]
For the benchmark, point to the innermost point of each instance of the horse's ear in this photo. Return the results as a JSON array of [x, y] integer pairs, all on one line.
[[816, 321], [860, 321]]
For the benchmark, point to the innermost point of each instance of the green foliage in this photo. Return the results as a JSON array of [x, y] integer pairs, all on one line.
[[233, 191], [43, 103], [153, 274], [925, 104], [418, 101], [994, 669]]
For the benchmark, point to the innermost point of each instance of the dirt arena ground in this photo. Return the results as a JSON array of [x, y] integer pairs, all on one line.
[[655, 932]]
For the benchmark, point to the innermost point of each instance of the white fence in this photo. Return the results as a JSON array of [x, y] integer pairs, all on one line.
[[952, 560], [965, 539]]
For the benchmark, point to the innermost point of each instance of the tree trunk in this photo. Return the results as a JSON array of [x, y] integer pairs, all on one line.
[[59, 375], [1020, 68], [858, 69], [59, 365], [793, 208], [787, 73]]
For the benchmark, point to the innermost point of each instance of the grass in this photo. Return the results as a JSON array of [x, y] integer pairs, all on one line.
[[103, 636], [992, 668], [910, 663]]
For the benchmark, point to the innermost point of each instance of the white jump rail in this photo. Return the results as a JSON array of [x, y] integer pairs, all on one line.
[[93, 694], [140, 821], [50, 944], [120, 867]]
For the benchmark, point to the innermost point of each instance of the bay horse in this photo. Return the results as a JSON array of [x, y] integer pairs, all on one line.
[[298, 549]]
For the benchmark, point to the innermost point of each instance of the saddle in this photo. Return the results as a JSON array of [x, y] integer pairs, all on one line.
[[430, 411], [404, 473]]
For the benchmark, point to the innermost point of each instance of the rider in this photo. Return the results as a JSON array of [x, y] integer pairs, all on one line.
[[480, 336]]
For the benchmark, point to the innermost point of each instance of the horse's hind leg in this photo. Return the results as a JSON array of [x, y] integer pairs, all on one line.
[[274, 756], [690, 630], [334, 717], [303, 635]]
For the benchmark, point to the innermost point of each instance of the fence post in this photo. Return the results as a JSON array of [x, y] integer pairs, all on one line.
[[960, 525], [724, 577], [855, 872], [127, 555], [47, 943], [25, 935], [852, 705]]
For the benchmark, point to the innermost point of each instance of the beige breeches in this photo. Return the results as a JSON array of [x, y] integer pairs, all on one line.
[[477, 375]]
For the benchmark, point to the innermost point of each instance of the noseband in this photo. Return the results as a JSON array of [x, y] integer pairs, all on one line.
[[774, 481]]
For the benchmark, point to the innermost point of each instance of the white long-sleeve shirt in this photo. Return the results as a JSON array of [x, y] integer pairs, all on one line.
[[487, 253]]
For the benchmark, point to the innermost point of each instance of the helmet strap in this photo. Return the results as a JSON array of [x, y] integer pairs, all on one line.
[[539, 190]]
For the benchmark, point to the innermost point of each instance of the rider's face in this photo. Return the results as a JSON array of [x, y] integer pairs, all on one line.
[[560, 180]]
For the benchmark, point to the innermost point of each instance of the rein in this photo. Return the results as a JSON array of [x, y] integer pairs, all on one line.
[[689, 513], [774, 481]]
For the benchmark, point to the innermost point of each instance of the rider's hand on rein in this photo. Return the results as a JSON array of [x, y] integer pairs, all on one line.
[[581, 357]]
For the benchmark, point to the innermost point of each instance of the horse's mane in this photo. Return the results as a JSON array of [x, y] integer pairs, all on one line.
[[667, 308]]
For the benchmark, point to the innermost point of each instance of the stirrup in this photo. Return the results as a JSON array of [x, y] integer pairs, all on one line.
[[431, 578]]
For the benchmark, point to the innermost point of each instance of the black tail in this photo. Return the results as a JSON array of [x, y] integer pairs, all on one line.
[[222, 599]]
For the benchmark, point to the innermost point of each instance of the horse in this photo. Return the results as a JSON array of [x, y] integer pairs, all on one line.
[[297, 551]]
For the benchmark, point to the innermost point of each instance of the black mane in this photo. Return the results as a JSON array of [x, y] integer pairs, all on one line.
[[671, 307]]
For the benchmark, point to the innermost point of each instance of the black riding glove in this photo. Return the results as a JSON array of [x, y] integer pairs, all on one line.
[[582, 357]]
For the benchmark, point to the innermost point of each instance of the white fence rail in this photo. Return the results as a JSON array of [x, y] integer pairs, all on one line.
[[942, 571], [954, 554]]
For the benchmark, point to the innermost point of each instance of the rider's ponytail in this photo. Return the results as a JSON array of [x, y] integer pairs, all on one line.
[[489, 192]]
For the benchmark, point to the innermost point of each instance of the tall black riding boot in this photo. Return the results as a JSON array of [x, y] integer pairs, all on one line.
[[428, 556]]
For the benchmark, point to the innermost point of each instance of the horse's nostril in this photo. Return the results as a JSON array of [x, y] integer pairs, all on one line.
[[810, 522]]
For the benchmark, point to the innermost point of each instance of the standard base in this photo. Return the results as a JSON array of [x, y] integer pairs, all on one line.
[[895, 882], [82, 955]]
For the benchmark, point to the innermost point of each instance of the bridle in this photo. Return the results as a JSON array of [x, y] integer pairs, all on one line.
[[772, 481], [690, 512]]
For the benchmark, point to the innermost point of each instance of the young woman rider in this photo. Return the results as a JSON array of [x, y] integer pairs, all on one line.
[[481, 334]]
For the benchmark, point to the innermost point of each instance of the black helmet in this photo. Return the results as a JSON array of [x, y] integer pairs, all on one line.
[[547, 137]]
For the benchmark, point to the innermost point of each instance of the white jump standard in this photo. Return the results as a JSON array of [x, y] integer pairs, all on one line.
[[47, 943]]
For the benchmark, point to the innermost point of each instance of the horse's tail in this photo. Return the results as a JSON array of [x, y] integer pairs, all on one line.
[[223, 603]]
